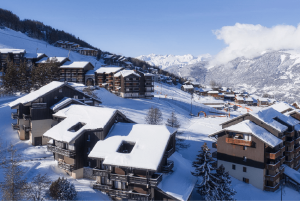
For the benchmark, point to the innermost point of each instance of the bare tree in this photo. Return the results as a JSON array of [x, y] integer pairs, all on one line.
[[13, 187], [154, 116], [36, 190], [172, 121]]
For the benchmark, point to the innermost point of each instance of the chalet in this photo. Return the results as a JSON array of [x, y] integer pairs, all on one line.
[[170, 82], [127, 84], [146, 84], [157, 78], [108, 59], [76, 72], [14, 55], [203, 91], [87, 51], [253, 147], [239, 99], [195, 84], [221, 96], [229, 97], [34, 110], [32, 58], [128, 166], [187, 88], [248, 100], [66, 45], [77, 129], [213, 93], [262, 102], [105, 77], [59, 60]]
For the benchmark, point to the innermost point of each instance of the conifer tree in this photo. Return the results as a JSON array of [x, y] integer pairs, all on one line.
[[224, 190], [62, 189], [10, 78], [203, 168], [24, 78], [172, 121]]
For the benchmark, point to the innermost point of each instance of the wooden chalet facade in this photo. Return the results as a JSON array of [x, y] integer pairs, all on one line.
[[104, 77], [8, 55], [34, 111], [78, 128], [87, 51], [76, 72], [121, 179], [32, 58], [187, 88], [253, 147]]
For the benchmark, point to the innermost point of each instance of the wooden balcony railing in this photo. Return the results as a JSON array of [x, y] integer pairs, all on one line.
[[282, 149], [118, 177], [283, 138], [14, 115], [273, 156], [289, 143], [272, 178], [272, 188], [290, 133], [26, 128], [296, 149], [102, 173], [15, 126], [128, 194], [297, 157], [297, 140], [296, 166], [66, 166], [273, 166], [289, 153], [65, 152], [289, 163], [101, 186], [239, 142]]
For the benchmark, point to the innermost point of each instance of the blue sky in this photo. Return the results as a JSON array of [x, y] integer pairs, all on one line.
[[137, 27]]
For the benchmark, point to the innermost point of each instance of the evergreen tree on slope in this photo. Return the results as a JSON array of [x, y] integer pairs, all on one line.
[[203, 168], [224, 191]]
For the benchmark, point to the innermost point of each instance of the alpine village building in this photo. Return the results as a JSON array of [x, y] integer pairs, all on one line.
[[118, 153], [34, 110], [256, 146], [76, 72]]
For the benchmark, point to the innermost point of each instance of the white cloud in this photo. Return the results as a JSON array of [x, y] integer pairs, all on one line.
[[250, 40]]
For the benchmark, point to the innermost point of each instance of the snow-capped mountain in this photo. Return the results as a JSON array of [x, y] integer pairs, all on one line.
[[276, 72], [165, 61]]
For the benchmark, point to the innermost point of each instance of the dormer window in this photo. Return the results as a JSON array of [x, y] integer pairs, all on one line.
[[76, 127], [76, 97], [126, 147]]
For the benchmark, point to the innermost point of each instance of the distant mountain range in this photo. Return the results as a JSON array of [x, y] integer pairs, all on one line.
[[165, 61], [276, 73]]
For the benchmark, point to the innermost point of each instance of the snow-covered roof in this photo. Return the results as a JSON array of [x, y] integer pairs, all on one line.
[[44, 90], [263, 99], [48, 59], [204, 90], [248, 99], [213, 92], [181, 182], [128, 62], [14, 51], [240, 98], [126, 73], [293, 174], [92, 118], [281, 107], [109, 69], [75, 64], [188, 86], [33, 55], [63, 102], [38, 93], [147, 152], [249, 127], [148, 74], [108, 56]]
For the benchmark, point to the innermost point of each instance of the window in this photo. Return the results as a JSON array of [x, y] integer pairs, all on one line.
[[76, 97], [244, 158], [90, 164], [244, 169], [55, 97], [89, 138], [233, 167], [126, 147], [244, 148], [60, 90], [89, 150], [245, 180]]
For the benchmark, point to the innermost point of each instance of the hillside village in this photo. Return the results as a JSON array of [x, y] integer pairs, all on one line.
[[89, 124]]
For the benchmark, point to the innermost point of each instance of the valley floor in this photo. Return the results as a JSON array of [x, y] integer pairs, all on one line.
[[195, 132]]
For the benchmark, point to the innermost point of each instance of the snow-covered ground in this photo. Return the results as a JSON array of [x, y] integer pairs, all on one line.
[[195, 132]]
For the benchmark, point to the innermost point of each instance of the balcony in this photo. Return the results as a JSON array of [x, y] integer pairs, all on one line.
[[128, 194], [272, 178], [239, 142], [289, 153], [14, 115], [273, 166], [296, 166], [101, 186], [15, 126], [168, 167], [153, 181], [282, 149], [297, 157], [214, 154], [214, 145], [282, 159], [272, 188], [65, 152], [26, 117], [39, 105], [273, 156], [26, 128], [283, 138], [297, 139], [290, 133], [102, 173], [66, 166], [296, 149], [289, 143], [118, 177], [289, 163]]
